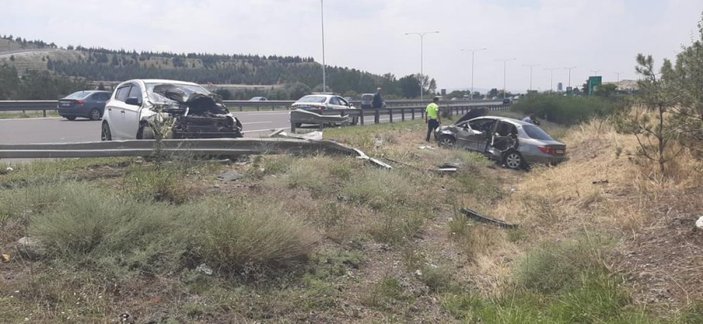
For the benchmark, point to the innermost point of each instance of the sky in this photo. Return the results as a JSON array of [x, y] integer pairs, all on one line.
[[595, 37]]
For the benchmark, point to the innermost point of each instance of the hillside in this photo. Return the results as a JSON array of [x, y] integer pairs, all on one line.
[[98, 64]]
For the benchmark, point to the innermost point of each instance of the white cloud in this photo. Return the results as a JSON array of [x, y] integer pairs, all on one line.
[[602, 35]]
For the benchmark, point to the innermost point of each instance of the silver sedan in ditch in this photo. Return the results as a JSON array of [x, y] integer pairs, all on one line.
[[512, 142]]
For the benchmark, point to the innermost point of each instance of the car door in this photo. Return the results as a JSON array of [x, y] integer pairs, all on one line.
[[335, 106], [133, 107], [345, 105], [464, 135], [115, 111], [98, 100], [482, 128]]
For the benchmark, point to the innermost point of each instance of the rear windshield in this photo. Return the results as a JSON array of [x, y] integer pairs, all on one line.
[[79, 95], [536, 133], [313, 99]]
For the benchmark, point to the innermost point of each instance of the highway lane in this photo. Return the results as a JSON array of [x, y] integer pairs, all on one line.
[[58, 130]]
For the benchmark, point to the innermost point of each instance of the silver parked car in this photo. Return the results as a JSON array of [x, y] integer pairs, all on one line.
[[512, 142], [323, 105]]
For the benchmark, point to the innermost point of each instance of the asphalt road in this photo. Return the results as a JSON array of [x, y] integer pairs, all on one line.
[[59, 130]]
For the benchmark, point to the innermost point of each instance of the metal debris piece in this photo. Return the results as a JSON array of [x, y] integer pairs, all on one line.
[[472, 214], [699, 222], [204, 269]]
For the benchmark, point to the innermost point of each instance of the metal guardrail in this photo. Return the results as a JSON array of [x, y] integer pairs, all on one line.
[[183, 147], [237, 146], [413, 112], [234, 105]]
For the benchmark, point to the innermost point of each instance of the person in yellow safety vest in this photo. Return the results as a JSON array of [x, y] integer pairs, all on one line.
[[432, 117]]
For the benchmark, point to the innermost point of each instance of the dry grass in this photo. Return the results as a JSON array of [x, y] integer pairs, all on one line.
[[348, 241]]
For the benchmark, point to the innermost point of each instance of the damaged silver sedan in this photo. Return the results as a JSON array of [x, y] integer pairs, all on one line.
[[513, 143], [145, 109]]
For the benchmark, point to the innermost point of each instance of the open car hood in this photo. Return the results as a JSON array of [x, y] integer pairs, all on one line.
[[197, 102], [472, 113]]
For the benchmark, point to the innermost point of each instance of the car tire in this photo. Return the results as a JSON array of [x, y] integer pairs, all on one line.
[[446, 141], [513, 160], [70, 117], [95, 114], [105, 134], [145, 132]]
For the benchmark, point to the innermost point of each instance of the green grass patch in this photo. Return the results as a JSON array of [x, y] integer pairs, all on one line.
[[567, 110], [55, 171]]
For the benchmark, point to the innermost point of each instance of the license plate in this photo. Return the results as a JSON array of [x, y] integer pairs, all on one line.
[[65, 104], [559, 151]]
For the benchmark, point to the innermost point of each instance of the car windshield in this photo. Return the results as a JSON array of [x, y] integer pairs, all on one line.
[[313, 99], [167, 92], [78, 95], [536, 133]]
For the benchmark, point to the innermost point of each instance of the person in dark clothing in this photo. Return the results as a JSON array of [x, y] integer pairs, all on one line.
[[376, 104]]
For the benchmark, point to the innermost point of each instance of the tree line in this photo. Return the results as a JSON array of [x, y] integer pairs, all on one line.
[[290, 76], [36, 85]]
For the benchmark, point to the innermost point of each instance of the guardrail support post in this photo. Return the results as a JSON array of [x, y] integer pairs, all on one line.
[[390, 114], [376, 116], [402, 114], [44, 112], [412, 113], [361, 117]]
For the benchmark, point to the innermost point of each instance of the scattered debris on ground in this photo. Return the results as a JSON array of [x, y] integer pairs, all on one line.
[[474, 215]]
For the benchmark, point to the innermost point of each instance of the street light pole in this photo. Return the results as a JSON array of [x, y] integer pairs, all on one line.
[[473, 56], [530, 66], [505, 66], [569, 68], [322, 21], [422, 72], [551, 78]]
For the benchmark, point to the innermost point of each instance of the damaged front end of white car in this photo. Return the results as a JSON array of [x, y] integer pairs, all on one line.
[[177, 111]]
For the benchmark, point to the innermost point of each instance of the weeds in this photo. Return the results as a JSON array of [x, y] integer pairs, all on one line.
[[232, 237], [554, 267]]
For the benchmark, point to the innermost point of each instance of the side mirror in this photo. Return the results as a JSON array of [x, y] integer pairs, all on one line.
[[133, 101]]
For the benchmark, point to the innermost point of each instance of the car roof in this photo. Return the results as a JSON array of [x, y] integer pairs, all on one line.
[[162, 81], [505, 119]]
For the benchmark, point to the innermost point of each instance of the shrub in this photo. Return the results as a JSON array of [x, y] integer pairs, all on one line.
[[160, 184], [380, 189], [230, 237], [567, 110], [90, 222], [557, 266]]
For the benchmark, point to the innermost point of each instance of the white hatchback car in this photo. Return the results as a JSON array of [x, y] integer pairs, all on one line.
[[190, 110]]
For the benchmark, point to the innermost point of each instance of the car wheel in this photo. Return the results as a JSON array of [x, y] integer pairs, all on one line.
[[513, 160], [95, 114], [71, 117], [145, 132], [446, 141], [105, 134]]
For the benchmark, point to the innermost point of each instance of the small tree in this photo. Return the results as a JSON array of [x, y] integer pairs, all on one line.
[[654, 135], [686, 80]]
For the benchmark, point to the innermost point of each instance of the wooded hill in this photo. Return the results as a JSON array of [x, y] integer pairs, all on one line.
[[302, 74]]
